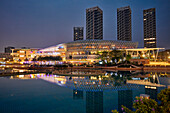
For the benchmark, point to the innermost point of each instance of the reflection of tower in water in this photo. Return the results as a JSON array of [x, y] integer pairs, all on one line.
[[125, 97], [77, 94], [94, 102], [151, 91]]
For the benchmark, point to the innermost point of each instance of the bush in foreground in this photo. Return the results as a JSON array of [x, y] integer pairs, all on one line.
[[144, 105]]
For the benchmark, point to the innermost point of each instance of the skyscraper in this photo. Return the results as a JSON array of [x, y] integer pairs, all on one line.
[[124, 24], [94, 23], [78, 33], [149, 24]]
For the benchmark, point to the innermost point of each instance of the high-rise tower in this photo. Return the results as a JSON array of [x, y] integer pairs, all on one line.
[[149, 25], [78, 33], [124, 24], [94, 23]]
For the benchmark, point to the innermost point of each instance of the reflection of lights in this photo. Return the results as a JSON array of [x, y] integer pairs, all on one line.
[[169, 57], [111, 73], [151, 87], [120, 75], [21, 76], [100, 62], [115, 74], [32, 76], [105, 74], [143, 55], [62, 82], [76, 92], [21, 70], [92, 77]]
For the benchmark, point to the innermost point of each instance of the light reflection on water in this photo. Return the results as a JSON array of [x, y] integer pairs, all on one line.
[[76, 94]]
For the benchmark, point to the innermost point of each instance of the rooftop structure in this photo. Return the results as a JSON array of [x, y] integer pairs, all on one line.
[[85, 50]]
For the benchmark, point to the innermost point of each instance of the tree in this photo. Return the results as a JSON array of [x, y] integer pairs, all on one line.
[[104, 55], [163, 96], [49, 58], [128, 57], [144, 105]]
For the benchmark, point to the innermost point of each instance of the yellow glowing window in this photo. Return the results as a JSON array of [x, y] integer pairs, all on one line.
[[21, 55], [21, 51]]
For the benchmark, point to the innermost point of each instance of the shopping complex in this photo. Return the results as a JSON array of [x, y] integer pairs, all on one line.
[[86, 51]]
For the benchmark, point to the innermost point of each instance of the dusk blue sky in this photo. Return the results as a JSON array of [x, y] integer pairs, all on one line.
[[43, 23]]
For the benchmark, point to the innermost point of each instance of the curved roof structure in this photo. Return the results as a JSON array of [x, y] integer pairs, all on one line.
[[92, 44]]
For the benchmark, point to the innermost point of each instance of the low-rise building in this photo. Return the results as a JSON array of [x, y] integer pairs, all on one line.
[[4, 56], [22, 54], [85, 50]]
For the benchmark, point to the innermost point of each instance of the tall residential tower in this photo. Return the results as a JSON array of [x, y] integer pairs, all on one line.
[[78, 33], [124, 24], [94, 23], [149, 25]]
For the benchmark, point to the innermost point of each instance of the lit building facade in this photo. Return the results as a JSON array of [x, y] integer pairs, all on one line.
[[78, 33], [85, 50], [124, 24], [149, 24], [23, 54], [94, 23], [4, 56]]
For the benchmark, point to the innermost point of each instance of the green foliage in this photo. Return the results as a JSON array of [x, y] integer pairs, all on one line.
[[49, 58], [112, 55], [144, 105], [104, 55], [115, 111], [163, 96], [128, 57]]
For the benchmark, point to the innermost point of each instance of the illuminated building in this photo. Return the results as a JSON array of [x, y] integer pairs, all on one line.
[[4, 56], [149, 24], [78, 33], [94, 23], [124, 24], [85, 50], [20, 54], [164, 55]]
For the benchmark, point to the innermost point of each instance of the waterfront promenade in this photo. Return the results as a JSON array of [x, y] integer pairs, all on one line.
[[88, 70]]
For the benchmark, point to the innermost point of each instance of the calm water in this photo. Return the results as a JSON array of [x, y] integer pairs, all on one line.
[[42, 93]]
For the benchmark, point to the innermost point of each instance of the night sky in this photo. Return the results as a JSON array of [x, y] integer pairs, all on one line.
[[43, 23]]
